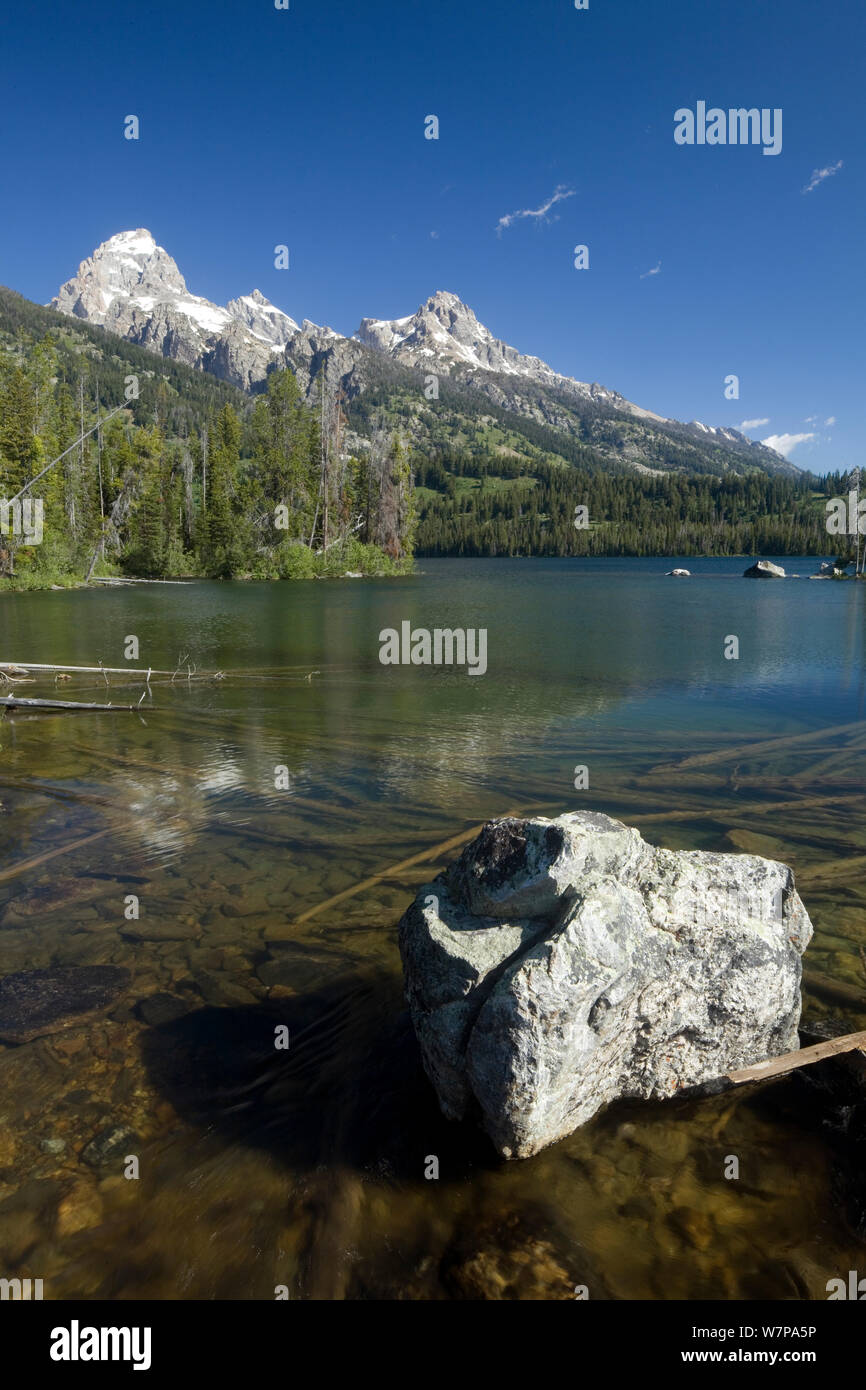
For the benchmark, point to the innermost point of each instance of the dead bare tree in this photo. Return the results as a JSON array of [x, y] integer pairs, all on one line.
[[118, 514]]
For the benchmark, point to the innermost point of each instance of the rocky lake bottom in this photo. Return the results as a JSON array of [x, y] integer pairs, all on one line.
[[304, 1169]]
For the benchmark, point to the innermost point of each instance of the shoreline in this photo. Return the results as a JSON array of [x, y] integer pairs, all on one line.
[[9, 586]]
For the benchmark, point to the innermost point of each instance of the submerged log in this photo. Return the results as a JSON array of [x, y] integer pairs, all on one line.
[[816, 982], [771, 745], [287, 932], [25, 864]]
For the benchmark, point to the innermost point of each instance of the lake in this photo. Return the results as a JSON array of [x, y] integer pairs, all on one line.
[[224, 810]]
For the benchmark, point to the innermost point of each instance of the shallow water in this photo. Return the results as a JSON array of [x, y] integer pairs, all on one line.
[[306, 1168]]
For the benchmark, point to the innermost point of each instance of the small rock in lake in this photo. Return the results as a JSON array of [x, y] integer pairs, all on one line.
[[52, 1146], [560, 964], [79, 1210], [162, 1008], [515, 1256], [34, 1003], [764, 569], [111, 1143], [161, 929]]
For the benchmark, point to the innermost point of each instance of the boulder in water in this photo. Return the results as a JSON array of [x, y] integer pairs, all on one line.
[[560, 964], [764, 569]]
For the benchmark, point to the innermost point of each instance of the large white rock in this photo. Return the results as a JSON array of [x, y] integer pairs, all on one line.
[[764, 569], [560, 964]]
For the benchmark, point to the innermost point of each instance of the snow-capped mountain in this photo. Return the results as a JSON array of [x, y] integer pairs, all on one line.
[[263, 319], [444, 334], [133, 287]]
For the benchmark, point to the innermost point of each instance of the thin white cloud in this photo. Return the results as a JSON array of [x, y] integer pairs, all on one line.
[[831, 420], [819, 175], [811, 420], [655, 271], [557, 196], [753, 424], [435, 236], [785, 443]]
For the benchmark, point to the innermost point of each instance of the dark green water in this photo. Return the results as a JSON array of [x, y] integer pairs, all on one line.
[[306, 1168]]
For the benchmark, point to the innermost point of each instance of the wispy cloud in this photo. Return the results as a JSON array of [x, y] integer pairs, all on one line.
[[819, 175], [656, 270], [557, 196], [435, 236], [831, 420], [785, 443], [753, 424]]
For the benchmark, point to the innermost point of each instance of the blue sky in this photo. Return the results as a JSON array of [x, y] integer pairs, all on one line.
[[306, 127]]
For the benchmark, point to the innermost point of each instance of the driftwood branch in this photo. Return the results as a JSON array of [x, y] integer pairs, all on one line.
[[21, 702], [106, 670], [114, 580], [791, 1061]]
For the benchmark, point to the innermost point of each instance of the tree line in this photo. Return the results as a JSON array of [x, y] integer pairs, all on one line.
[[625, 514], [187, 476], [208, 483]]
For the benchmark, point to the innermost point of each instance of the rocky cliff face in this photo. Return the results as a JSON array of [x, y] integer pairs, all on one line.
[[444, 335], [134, 288], [263, 319]]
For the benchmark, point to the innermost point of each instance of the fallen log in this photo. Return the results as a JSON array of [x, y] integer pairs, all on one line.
[[103, 670], [791, 1061], [21, 702]]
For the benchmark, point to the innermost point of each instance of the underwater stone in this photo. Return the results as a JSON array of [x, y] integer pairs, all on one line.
[[34, 1003]]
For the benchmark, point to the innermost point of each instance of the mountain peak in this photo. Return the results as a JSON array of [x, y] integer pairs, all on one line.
[[139, 242], [448, 298], [262, 318], [445, 333], [127, 269]]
